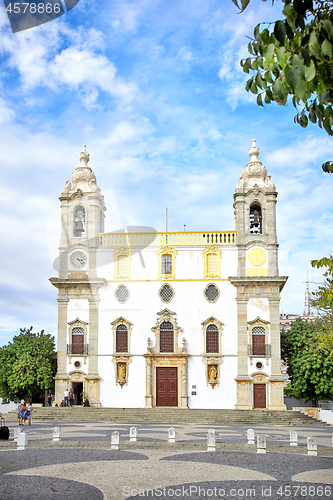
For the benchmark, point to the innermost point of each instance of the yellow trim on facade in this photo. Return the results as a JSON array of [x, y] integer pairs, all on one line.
[[184, 238], [257, 257], [175, 280], [256, 271]]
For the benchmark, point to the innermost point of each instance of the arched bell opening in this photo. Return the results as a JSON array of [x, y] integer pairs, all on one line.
[[255, 219], [79, 221]]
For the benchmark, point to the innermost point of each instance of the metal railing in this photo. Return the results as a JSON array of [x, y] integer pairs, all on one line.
[[161, 239], [84, 350], [264, 350]]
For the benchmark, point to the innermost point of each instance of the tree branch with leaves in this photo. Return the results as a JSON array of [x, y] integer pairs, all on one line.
[[293, 57]]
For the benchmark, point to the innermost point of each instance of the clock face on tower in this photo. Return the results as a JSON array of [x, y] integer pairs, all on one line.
[[78, 260]]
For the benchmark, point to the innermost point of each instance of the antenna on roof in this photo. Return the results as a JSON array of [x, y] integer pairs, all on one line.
[[307, 297]]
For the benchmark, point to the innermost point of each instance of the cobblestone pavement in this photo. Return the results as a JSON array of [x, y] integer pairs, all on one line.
[[82, 465]]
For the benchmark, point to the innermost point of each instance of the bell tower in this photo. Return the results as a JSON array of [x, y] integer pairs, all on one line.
[[258, 287], [255, 211], [82, 218]]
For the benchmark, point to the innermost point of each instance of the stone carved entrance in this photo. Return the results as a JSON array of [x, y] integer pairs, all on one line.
[[166, 386], [259, 395]]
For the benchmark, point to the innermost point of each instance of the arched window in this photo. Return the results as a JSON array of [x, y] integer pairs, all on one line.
[[212, 262], [121, 264], [121, 339], [167, 264], [122, 259], [212, 339], [166, 337], [77, 340], [79, 221], [255, 219], [258, 340]]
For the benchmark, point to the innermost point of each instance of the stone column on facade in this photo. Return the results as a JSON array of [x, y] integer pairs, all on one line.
[[61, 378], [149, 397], [184, 393], [276, 401], [242, 379], [92, 377]]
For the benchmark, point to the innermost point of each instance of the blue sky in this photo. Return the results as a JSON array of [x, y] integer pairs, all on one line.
[[155, 90]]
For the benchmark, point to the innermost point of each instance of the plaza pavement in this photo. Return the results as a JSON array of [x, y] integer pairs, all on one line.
[[82, 465]]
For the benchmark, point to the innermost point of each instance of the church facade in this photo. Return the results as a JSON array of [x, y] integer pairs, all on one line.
[[181, 319]]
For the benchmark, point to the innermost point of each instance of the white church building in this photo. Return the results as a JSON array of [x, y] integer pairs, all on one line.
[[181, 319]]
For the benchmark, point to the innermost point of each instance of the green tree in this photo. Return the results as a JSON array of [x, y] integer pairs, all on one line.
[[310, 369], [27, 365], [293, 57], [323, 301]]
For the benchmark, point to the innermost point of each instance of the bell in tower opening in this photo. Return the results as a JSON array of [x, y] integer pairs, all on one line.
[[255, 219], [79, 219]]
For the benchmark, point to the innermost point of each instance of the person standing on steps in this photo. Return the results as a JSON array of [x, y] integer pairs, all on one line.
[[71, 397], [66, 394]]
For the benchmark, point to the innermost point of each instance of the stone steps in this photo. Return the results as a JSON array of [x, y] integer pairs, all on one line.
[[171, 416]]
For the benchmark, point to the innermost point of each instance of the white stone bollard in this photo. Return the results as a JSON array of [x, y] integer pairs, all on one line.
[[56, 434], [312, 446], [17, 431], [211, 440], [115, 440], [172, 435], [293, 438], [332, 439], [261, 443], [133, 434], [22, 440], [250, 436]]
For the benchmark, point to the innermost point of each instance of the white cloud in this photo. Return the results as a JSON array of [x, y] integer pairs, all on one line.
[[39, 58], [6, 113]]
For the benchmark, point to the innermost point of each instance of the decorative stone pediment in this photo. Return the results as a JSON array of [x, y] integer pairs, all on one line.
[[258, 320], [212, 321], [254, 175], [77, 322], [166, 315]]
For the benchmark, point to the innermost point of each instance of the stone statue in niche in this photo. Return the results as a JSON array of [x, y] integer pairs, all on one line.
[[212, 373], [121, 372]]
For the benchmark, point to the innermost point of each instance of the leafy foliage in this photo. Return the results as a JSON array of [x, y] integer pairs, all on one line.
[[27, 365], [310, 369], [323, 300], [293, 57]]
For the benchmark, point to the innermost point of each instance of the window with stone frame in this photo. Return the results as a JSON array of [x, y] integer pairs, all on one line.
[[212, 262], [121, 339], [167, 264], [166, 337], [212, 339], [258, 341], [122, 259]]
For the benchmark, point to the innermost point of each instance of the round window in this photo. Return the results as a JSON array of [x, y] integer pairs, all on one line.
[[122, 294], [166, 293], [77, 364], [211, 292], [259, 365]]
